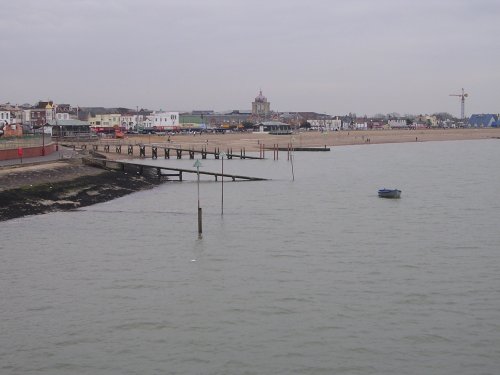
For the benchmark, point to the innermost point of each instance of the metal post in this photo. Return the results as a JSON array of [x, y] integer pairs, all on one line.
[[197, 164], [43, 140], [222, 155]]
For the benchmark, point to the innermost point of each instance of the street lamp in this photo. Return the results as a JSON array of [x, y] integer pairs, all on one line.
[[43, 138], [222, 156], [197, 164]]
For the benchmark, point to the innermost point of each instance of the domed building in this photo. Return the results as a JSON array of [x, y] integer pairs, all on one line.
[[261, 107]]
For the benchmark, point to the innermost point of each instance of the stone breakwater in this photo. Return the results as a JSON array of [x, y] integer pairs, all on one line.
[[62, 186]]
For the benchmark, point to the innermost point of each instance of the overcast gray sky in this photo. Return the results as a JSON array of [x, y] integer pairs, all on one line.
[[328, 56]]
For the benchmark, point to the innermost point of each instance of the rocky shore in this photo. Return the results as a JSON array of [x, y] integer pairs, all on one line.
[[62, 186]]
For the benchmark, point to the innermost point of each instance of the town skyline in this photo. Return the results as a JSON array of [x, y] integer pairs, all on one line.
[[333, 57], [198, 111]]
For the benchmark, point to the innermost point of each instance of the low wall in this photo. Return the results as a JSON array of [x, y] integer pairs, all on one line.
[[28, 152]]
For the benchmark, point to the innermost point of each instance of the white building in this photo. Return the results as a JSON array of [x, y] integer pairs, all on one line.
[[132, 122], [26, 116], [165, 120], [148, 122], [62, 116], [361, 124], [397, 124], [327, 124], [4, 117]]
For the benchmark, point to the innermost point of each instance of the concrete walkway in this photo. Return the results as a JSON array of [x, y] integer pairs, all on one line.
[[63, 153]]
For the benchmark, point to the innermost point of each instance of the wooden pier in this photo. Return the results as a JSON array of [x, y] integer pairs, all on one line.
[[176, 151], [295, 148], [167, 151], [160, 172]]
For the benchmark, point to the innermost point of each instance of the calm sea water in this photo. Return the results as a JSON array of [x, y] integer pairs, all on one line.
[[312, 276]]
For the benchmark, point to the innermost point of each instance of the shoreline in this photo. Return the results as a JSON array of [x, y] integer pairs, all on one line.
[[63, 186], [69, 184], [252, 142]]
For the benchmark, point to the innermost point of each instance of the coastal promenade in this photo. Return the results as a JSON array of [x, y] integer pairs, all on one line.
[[252, 142]]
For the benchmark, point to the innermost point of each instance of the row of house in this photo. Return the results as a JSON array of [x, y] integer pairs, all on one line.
[[104, 120], [45, 111], [159, 120]]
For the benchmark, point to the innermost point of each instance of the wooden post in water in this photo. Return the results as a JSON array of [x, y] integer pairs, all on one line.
[[222, 155], [200, 225], [197, 164]]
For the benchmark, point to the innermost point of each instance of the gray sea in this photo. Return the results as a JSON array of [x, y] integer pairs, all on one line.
[[315, 275]]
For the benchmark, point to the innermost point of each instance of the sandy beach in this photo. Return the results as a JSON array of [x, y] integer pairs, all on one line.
[[252, 142]]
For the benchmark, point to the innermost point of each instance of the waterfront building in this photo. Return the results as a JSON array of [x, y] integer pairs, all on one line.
[[42, 113], [62, 116], [105, 120], [260, 106], [131, 122], [429, 120], [328, 124], [361, 124], [191, 121], [227, 120], [347, 122], [163, 121], [4, 117], [482, 120], [398, 124], [69, 128], [273, 127]]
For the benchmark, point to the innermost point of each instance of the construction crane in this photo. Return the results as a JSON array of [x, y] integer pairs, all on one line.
[[462, 96]]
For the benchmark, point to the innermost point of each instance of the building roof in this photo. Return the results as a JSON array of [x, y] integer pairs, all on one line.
[[482, 119], [272, 123], [260, 98], [70, 122]]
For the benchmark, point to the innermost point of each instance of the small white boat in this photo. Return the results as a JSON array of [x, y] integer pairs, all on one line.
[[389, 193]]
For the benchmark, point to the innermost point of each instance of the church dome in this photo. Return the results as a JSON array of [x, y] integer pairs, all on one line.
[[261, 98]]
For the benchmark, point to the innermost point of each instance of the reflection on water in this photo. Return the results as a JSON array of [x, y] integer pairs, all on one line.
[[316, 275]]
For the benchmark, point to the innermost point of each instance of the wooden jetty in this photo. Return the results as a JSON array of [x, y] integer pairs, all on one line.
[[168, 151], [160, 171], [302, 148]]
